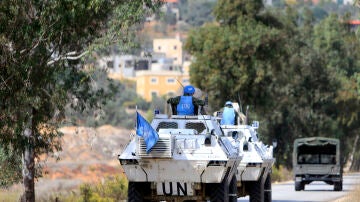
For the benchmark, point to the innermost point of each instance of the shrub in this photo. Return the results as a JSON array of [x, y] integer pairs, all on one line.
[[86, 192], [112, 188], [281, 174]]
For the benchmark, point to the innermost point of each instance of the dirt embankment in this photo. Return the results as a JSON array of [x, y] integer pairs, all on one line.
[[88, 155]]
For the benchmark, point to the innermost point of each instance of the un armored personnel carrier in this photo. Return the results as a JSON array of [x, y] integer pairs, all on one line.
[[192, 161], [254, 171], [317, 159]]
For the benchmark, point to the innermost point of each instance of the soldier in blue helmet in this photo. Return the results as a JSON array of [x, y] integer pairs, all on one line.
[[186, 104], [229, 115]]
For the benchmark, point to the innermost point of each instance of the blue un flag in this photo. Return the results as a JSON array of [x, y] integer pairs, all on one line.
[[144, 129]]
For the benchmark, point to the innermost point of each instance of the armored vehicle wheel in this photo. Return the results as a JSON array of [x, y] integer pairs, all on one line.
[[338, 186], [256, 191], [137, 191], [217, 192], [267, 189], [299, 186], [233, 190]]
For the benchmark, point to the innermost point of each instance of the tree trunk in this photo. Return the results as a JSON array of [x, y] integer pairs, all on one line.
[[28, 160], [349, 163], [28, 174]]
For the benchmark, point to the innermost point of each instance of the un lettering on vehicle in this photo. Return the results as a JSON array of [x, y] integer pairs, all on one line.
[[175, 189]]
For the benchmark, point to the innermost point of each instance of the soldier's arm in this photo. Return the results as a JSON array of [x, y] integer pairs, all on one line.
[[236, 118], [198, 102], [173, 101]]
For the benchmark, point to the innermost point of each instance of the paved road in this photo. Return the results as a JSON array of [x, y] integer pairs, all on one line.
[[316, 191]]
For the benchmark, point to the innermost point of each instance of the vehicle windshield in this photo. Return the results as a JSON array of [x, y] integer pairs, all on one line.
[[324, 154]]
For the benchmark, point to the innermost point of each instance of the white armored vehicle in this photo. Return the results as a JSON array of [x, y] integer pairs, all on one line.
[[192, 160], [254, 172]]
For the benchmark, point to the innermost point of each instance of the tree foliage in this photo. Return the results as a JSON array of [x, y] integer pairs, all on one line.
[[298, 74], [41, 46], [237, 58], [114, 110], [10, 166], [196, 13]]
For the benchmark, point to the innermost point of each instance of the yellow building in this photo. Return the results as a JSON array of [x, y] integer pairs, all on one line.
[[172, 48], [160, 83], [166, 75]]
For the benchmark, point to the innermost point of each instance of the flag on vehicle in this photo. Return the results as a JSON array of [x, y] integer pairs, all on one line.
[[144, 129]]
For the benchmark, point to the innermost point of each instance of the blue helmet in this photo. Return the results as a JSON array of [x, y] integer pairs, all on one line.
[[189, 90], [228, 103]]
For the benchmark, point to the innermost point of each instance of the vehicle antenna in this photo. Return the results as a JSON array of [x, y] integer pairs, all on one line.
[[240, 105], [247, 114], [180, 83], [206, 99]]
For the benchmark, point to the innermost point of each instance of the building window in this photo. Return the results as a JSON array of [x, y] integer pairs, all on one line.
[[185, 80], [142, 65], [128, 63], [175, 47], [110, 64], [153, 80], [154, 94], [171, 80], [159, 47]]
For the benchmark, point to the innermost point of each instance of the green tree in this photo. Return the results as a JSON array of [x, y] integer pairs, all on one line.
[[41, 46], [237, 60], [114, 110], [228, 11], [10, 166], [196, 13], [340, 47], [307, 91], [292, 70], [325, 54], [247, 57]]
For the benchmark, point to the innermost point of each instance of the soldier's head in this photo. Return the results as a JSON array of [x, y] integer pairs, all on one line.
[[228, 104], [189, 90]]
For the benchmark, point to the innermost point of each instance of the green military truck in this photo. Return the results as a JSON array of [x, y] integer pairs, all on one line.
[[317, 159]]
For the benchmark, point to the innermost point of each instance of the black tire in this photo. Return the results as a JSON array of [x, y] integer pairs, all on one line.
[[256, 191], [267, 189], [233, 190], [137, 191], [217, 192], [338, 186], [298, 186]]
